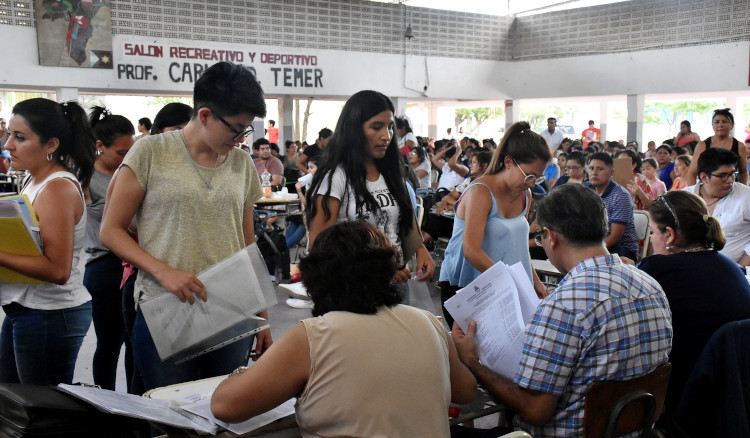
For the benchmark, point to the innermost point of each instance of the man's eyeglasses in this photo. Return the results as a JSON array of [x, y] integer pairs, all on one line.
[[528, 179], [538, 238], [726, 176], [238, 135]]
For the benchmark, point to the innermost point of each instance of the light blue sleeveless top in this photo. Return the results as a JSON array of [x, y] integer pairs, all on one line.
[[504, 239]]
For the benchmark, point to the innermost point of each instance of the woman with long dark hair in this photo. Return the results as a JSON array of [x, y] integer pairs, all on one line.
[[360, 177], [45, 323], [103, 275]]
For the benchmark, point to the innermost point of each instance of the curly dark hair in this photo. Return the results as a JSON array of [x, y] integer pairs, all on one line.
[[350, 268]]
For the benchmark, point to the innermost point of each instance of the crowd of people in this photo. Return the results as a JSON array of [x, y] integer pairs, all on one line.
[[150, 212]]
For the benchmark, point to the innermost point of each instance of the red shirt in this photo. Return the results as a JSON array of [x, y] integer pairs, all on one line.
[[590, 135]]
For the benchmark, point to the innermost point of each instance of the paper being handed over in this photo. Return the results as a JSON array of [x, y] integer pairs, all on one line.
[[493, 301]]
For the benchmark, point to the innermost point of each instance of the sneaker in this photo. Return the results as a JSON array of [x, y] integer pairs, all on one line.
[[299, 304]]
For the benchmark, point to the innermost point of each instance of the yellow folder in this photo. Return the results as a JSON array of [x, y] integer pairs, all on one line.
[[16, 238]]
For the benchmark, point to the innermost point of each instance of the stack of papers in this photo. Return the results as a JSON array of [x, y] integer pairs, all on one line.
[[502, 301]]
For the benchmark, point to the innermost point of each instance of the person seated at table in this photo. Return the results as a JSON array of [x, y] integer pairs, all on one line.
[[621, 238], [264, 160], [605, 321], [705, 289], [364, 365]]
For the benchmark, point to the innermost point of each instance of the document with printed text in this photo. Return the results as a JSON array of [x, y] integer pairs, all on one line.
[[493, 301]]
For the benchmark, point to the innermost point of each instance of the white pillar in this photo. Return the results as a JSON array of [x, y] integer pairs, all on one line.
[[636, 107], [732, 105], [432, 124], [400, 104], [603, 120], [512, 112], [64, 94], [285, 122]]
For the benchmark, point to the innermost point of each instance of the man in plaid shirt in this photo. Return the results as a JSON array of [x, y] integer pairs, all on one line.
[[605, 321]]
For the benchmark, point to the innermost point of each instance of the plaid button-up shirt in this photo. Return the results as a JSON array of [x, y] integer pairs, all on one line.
[[605, 321]]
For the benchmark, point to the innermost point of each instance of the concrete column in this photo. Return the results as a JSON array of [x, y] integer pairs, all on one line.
[[64, 94], [400, 104], [260, 131], [636, 107], [732, 105], [285, 122], [512, 112], [603, 120], [432, 125]]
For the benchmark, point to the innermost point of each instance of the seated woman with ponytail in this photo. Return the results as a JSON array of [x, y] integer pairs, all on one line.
[[45, 323], [705, 289]]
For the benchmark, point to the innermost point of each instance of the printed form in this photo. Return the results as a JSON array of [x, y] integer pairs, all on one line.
[[493, 300]]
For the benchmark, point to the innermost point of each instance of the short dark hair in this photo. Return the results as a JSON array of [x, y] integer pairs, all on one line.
[[109, 127], [693, 224], [146, 122], [551, 118], [365, 284], [325, 133], [260, 141], [522, 144], [272, 122], [483, 158], [680, 150], [171, 115], [634, 158], [576, 212], [713, 158], [229, 90], [591, 122], [664, 146], [603, 157]]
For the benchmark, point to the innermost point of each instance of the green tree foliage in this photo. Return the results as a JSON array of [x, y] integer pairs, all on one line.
[[537, 115], [477, 115], [160, 101], [674, 112]]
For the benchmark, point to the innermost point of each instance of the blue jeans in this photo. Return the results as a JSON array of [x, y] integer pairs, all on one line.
[[102, 278], [295, 231], [135, 382], [156, 373], [40, 347]]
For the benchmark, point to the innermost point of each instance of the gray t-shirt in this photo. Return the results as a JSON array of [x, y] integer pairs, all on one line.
[[97, 192], [179, 221]]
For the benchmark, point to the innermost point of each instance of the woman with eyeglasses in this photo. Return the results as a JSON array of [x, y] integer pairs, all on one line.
[[722, 123], [490, 223], [575, 168], [192, 193], [705, 289], [726, 200]]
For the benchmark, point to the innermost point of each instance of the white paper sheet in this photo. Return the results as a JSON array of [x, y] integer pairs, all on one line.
[[526, 294], [203, 409], [492, 301], [134, 406], [237, 288]]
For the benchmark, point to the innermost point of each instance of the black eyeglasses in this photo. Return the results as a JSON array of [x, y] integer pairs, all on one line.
[[238, 135], [726, 176]]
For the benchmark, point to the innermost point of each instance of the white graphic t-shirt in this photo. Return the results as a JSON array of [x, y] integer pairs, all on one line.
[[386, 219]]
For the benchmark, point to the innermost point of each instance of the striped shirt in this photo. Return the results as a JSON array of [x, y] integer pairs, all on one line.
[[605, 321], [619, 205]]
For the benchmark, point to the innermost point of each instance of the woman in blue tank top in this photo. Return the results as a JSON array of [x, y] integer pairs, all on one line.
[[490, 223]]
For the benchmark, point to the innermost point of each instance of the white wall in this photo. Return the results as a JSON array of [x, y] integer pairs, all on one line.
[[720, 67], [343, 73]]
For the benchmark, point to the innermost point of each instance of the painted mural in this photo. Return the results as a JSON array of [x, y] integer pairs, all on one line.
[[74, 33]]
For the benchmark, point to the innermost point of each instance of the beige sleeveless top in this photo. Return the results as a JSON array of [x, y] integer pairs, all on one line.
[[382, 375]]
